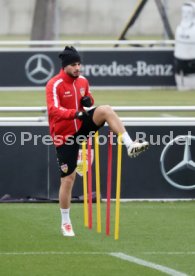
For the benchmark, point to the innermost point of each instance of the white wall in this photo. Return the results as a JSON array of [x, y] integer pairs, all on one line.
[[89, 17], [16, 16]]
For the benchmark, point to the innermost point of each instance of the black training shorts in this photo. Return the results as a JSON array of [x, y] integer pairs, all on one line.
[[67, 153]]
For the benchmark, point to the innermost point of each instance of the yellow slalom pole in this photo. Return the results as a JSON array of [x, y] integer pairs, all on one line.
[[118, 187], [97, 175], [85, 183]]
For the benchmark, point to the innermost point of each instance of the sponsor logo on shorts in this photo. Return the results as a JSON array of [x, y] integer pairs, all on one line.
[[64, 168]]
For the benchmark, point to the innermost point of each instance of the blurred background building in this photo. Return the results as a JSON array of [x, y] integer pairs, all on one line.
[[87, 17]]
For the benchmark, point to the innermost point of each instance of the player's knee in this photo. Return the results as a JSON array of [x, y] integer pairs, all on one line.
[[105, 110], [68, 180]]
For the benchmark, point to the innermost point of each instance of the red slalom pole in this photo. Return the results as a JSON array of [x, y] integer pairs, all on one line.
[[89, 181], [109, 180]]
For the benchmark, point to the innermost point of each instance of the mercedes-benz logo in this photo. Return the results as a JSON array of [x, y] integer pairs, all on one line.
[[39, 68], [185, 163]]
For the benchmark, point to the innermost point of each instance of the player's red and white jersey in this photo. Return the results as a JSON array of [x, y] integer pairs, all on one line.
[[63, 95]]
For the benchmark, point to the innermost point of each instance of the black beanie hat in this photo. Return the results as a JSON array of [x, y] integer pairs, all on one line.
[[69, 55]]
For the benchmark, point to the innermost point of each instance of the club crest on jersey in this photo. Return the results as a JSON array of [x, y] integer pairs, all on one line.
[[82, 91], [64, 168]]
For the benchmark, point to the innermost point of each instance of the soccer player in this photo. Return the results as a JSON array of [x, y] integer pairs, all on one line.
[[68, 95]]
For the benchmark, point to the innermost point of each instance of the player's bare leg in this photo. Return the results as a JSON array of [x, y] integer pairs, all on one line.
[[106, 113], [65, 194]]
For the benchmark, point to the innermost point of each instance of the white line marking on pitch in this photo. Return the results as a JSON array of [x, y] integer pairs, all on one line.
[[53, 253], [142, 262], [119, 255], [169, 253]]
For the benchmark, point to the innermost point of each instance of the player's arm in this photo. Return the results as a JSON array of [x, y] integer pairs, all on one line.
[[53, 104]]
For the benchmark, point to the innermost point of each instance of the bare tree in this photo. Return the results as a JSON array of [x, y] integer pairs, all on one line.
[[45, 20]]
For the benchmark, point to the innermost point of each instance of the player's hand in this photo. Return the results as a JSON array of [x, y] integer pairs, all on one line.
[[86, 101], [81, 115]]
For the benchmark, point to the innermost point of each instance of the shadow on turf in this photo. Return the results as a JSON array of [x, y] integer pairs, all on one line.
[[8, 198]]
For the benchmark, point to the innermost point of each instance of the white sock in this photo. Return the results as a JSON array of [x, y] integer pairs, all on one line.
[[126, 139], [65, 215]]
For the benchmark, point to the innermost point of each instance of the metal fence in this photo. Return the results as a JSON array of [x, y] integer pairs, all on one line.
[[132, 120], [90, 43]]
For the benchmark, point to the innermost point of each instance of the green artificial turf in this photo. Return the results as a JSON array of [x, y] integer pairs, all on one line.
[[157, 232]]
